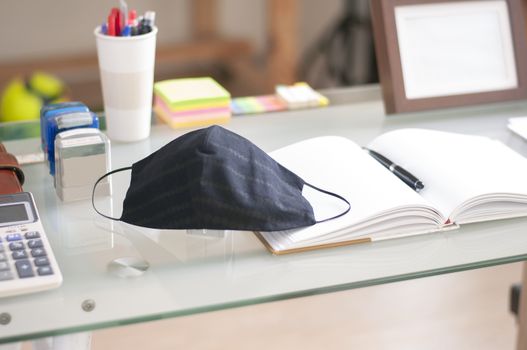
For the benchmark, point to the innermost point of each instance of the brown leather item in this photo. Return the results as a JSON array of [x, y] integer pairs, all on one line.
[[11, 175]]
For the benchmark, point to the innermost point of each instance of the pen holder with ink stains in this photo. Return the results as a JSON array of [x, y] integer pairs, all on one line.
[[126, 66]]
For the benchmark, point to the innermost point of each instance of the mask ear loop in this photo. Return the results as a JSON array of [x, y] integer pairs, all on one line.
[[334, 195], [128, 168], [95, 186]]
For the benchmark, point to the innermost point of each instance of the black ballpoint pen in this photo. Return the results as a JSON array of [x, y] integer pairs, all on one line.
[[398, 171]]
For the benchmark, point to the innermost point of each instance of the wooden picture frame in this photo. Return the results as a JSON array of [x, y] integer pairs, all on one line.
[[448, 53]]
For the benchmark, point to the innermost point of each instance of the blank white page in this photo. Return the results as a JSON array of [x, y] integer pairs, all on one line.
[[455, 167], [338, 165]]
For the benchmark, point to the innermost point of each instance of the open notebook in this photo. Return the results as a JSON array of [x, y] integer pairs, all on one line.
[[467, 179]]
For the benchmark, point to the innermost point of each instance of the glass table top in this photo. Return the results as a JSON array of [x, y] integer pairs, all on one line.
[[192, 273]]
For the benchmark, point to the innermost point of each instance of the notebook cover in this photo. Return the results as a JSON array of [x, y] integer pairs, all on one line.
[[309, 248], [360, 240]]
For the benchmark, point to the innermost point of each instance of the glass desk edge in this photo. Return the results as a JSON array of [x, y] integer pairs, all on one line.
[[267, 299]]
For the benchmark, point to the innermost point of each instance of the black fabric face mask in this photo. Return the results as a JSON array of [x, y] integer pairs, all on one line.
[[215, 179]]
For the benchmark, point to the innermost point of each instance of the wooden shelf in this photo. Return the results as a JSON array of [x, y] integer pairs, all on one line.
[[200, 51], [81, 72]]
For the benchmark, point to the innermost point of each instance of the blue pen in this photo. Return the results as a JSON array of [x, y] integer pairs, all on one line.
[[127, 30], [104, 28]]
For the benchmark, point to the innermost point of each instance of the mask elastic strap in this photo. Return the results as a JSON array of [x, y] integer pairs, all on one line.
[[334, 195], [95, 186]]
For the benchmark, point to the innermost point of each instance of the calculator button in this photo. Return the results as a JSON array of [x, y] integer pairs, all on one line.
[[16, 245], [3, 257], [19, 254], [6, 275], [38, 252], [44, 270], [1, 248], [34, 243], [32, 235], [24, 269], [4, 266], [41, 261], [13, 237]]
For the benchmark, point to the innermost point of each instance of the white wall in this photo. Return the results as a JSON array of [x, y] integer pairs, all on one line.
[[34, 29], [316, 17], [56, 27]]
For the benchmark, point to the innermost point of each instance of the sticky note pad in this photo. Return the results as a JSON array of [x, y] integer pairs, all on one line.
[[192, 120], [188, 93], [257, 104], [300, 95]]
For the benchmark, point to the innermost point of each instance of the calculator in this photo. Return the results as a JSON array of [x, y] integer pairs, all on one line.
[[27, 263]]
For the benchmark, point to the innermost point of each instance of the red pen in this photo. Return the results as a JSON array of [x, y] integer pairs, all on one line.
[[132, 21], [111, 24], [132, 17], [117, 14]]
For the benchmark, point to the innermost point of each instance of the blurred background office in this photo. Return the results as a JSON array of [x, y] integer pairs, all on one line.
[[248, 46]]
